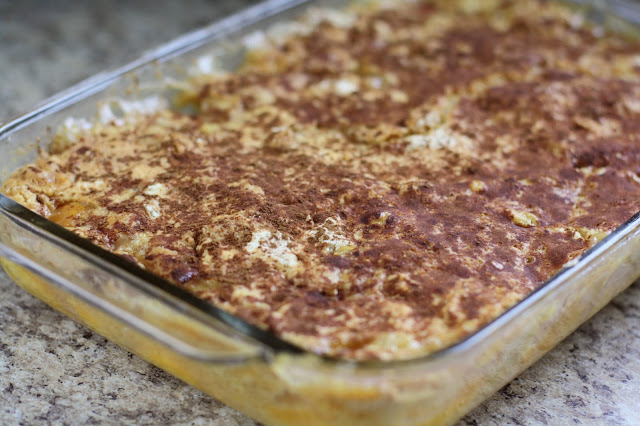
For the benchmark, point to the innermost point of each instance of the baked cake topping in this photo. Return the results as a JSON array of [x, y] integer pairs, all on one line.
[[375, 188]]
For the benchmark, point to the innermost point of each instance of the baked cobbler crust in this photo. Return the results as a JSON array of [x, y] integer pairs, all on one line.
[[376, 187]]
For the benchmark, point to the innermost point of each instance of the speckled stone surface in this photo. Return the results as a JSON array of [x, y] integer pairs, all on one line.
[[53, 370]]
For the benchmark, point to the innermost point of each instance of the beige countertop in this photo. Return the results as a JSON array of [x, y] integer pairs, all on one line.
[[53, 370]]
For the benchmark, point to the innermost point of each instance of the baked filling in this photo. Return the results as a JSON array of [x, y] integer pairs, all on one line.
[[377, 184]]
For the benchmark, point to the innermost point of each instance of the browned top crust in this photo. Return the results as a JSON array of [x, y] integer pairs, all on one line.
[[376, 188]]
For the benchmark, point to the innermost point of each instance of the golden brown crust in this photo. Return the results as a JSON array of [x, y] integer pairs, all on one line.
[[373, 190]]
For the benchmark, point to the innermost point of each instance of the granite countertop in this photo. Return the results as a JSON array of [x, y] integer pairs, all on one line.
[[53, 370]]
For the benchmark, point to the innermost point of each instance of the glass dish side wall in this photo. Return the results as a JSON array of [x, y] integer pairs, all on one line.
[[287, 389], [283, 388]]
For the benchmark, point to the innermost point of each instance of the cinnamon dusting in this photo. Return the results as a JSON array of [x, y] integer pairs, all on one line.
[[376, 190]]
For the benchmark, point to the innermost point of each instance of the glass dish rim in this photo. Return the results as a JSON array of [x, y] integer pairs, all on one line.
[[269, 341]]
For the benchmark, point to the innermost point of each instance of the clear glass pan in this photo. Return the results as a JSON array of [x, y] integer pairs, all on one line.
[[243, 366]]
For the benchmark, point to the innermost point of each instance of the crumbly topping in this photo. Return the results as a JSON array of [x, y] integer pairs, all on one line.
[[377, 186]]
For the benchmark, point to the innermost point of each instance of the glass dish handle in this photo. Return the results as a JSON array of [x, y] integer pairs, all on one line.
[[180, 346]]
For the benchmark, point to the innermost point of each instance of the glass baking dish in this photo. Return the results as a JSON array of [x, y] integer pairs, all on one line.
[[244, 366]]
